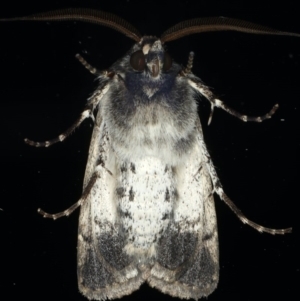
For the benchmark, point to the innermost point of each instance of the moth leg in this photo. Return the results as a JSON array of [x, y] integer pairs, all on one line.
[[89, 67], [189, 65], [215, 102], [219, 190], [88, 112], [68, 211]]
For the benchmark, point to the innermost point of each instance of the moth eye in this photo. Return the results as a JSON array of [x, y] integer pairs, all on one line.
[[137, 60], [167, 62]]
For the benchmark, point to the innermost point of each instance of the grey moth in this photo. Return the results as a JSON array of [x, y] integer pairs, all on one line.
[[147, 209]]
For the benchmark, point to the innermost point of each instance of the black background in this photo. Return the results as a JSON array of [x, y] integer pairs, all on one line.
[[43, 90]]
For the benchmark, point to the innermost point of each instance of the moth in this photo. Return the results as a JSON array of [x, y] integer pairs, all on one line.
[[147, 208]]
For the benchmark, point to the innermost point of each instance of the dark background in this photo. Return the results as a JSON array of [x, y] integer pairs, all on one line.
[[43, 89]]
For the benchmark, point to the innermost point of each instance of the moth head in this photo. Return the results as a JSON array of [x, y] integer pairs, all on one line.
[[150, 57]]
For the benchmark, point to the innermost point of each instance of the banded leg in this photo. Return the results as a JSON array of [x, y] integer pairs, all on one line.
[[87, 113], [220, 192], [189, 65], [215, 102], [72, 208], [89, 67]]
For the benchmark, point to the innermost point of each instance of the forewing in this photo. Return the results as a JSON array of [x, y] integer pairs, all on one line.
[[187, 257], [104, 270]]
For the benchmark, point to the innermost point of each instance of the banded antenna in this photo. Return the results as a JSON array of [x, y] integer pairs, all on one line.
[[200, 25], [85, 15], [175, 32]]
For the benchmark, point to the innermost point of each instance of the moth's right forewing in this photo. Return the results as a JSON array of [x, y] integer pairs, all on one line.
[[188, 256]]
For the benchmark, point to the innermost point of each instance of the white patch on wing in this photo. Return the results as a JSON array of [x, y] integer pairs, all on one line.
[[146, 215]]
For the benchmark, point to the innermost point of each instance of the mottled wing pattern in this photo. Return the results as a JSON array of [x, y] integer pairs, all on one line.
[[145, 201], [187, 257], [104, 270]]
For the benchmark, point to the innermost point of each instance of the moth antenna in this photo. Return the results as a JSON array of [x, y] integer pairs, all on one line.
[[215, 102], [85, 15], [201, 25], [89, 67], [189, 66]]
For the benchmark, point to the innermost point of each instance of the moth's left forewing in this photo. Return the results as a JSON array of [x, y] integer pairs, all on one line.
[[104, 269]]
